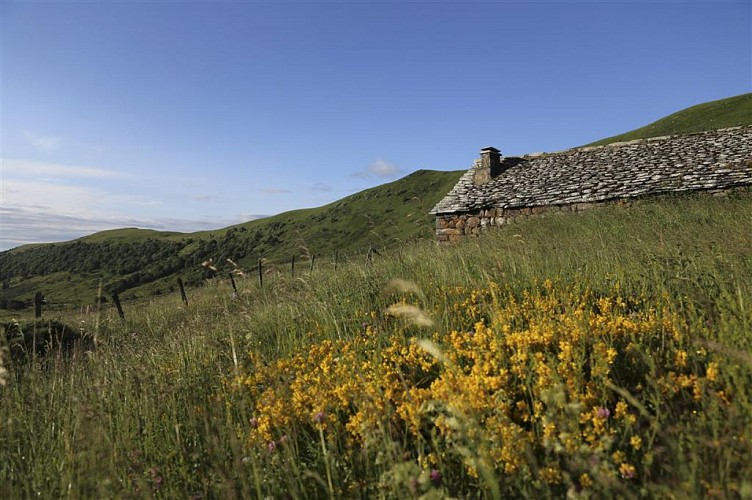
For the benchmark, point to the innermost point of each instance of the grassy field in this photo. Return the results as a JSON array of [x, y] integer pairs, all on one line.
[[596, 355]]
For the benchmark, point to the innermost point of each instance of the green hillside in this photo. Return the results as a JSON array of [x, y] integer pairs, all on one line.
[[128, 235], [730, 112], [139, 262]]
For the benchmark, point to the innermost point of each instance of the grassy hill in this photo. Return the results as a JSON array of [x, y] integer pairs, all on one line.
[[729, 112], [143, 262]]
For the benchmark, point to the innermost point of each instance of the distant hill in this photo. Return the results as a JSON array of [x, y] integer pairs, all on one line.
[[730, 112], [144, 262]]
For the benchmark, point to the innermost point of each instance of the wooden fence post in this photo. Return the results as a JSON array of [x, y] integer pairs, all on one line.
[[371, 252], [116, 300], [38, 299], [261, 274], [182, 291], [234, 288], [313, 259]]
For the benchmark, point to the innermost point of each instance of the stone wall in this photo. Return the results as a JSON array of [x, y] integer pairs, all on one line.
[[452, 227]]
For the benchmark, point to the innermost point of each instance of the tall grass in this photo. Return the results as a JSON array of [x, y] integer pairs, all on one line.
[[318, 387]]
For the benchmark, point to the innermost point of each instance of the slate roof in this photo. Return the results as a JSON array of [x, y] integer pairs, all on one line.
[[717, 159]]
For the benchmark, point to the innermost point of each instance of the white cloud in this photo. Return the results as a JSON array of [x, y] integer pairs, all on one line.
[[245, 217], [46, 202], [28, 168], [381, 169], [64, 198], [43, 142], [23, 225], [56, 198], [204, 197], [320, 186]]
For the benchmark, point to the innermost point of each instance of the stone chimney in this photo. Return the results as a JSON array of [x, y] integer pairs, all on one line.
[[489, 165]]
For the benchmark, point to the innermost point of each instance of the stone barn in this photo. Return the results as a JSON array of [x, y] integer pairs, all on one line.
[[496, 190]]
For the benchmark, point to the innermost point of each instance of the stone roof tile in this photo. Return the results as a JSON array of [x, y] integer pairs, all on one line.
[[708, 160]]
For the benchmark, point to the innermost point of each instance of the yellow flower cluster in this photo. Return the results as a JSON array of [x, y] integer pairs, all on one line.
[[545, 385], [336, 379]]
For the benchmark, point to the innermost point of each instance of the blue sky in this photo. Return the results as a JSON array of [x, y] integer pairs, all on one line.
[[195, 115]]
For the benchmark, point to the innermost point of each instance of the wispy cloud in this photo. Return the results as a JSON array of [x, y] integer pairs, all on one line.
[[249, 217], [28, 168], [276, 190], [204, 197], [45, 202], [320, 186], [380, 169], [43, 142], [36, 211], [24, 225], [48, 194]]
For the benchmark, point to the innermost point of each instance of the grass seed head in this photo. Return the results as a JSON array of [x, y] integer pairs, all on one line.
[[413, 314]]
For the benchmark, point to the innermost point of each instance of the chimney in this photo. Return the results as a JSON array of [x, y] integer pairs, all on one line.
[[489, 165]]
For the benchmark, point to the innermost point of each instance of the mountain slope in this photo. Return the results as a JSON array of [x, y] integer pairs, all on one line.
[[145, 262], [729, 112]]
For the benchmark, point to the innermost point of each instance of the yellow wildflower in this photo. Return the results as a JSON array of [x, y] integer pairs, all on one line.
[[611, 354], [585, 480], [681, 359], [636, 442], [712, 371], [550, 475], [627, 471]]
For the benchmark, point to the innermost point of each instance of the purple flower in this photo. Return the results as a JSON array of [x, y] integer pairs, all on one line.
[[271, 446], [156, 477], [319, 418], [254, 423], [435, 476], [603, 413]]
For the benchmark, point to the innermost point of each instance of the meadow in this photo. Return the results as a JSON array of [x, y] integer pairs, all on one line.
[[592, 355]]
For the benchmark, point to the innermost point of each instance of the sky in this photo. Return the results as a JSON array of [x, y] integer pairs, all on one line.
[[193, 115]]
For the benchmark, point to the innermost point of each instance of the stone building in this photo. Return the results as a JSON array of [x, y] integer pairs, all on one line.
[[496, 190]]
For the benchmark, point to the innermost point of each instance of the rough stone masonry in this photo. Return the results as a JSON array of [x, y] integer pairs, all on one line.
[[496, 190]]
